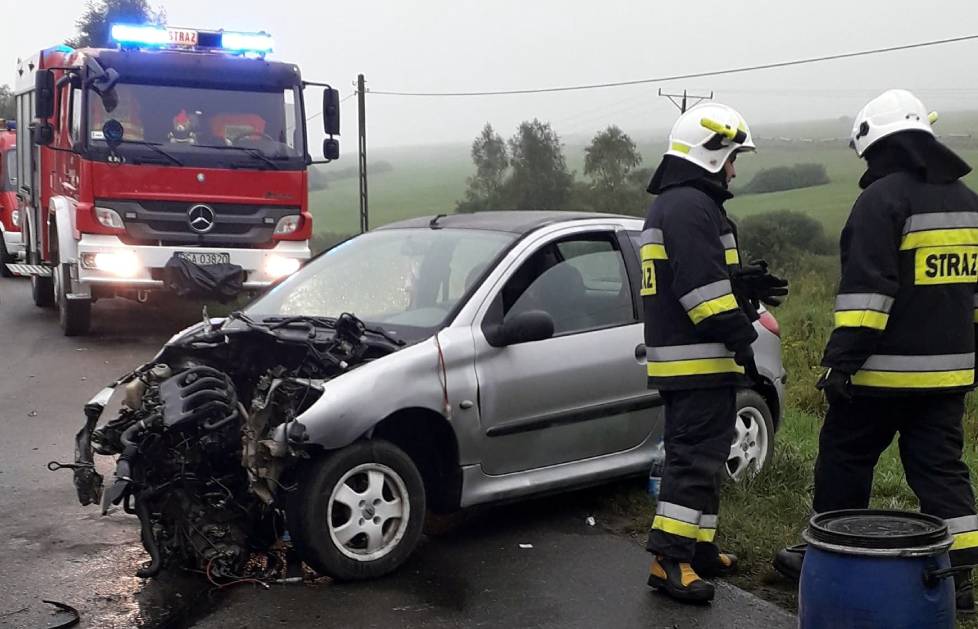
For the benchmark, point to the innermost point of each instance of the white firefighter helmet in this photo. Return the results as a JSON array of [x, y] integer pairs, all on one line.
[[888, 113], [708, 134]]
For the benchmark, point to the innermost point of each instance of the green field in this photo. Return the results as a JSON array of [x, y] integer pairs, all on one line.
[[430, 179]]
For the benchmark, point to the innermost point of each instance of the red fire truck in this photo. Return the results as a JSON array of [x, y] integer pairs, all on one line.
[[179, 148], [11, 247]]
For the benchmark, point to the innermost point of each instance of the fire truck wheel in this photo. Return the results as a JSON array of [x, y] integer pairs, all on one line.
[[5, 259], [42, 289], [75, 314]]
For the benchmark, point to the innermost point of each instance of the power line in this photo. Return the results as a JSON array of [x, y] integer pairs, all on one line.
[[694, 75]]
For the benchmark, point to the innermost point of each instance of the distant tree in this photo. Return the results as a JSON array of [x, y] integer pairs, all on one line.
[[782, 237], [540, 179], [491, 160], [781, 178], [608, 161], [8, 110], [93, 26]]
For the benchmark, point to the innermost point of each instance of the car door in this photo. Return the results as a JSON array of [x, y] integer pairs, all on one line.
[[581, 393]]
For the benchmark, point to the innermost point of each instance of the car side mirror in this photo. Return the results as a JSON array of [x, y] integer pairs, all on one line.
[[526, 327]]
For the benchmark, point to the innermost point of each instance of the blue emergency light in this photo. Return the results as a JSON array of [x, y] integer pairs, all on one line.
[[137, 35], [246, 42], [11, 125], [150, 36]]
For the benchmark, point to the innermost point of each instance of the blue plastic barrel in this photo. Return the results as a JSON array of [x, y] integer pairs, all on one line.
[[871, 569]]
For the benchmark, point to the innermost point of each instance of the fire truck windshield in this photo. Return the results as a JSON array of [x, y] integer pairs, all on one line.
[[190, 122]]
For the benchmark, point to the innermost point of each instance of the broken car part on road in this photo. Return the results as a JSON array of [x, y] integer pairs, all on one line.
[[207, 436]]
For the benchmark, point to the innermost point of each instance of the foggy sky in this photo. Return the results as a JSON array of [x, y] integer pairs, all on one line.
[[439, 45]]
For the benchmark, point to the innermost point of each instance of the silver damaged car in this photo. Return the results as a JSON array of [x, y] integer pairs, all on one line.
[[424, 367]]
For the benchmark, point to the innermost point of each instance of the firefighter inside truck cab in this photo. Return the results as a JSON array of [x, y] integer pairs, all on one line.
[[194, 117]]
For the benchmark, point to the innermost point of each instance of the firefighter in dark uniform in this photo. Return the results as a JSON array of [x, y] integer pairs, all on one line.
[[902, 354], [698, 341]]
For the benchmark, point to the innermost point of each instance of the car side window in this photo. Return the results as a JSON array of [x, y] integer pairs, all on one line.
[[579, 281]]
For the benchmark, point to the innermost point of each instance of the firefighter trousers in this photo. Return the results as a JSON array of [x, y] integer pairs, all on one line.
[[931, 439], [698, 431]]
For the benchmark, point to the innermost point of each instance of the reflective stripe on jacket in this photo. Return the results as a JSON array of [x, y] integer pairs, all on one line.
[[906, 308], [693, 323]]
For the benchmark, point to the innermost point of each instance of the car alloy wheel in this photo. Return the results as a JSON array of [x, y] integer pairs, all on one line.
[[749, 449], [368, 512]]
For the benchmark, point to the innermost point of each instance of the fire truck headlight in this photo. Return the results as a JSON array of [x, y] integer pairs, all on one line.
[[108, 217], [280, 266], [15, 218], [288, 225], [118, 263]]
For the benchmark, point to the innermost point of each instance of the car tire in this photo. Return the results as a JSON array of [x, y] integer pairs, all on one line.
[[358, 512], [753, 442], [75, 315]]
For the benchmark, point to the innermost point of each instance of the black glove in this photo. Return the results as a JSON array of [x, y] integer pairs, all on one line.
[[756, 284], [745, 358], [836, 385]]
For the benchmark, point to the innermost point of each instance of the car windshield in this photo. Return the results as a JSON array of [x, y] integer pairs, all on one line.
[[407, 280], [187, 120], [8, 171]]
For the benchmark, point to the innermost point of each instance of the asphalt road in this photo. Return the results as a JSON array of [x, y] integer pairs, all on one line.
[[536, 564]]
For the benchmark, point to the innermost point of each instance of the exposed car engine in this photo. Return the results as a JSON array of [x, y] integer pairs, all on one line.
[[207, 435]]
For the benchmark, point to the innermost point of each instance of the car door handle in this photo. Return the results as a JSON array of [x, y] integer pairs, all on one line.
[[640, 352]]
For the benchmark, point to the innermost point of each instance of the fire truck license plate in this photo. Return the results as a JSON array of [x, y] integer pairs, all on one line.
[[205, 258]]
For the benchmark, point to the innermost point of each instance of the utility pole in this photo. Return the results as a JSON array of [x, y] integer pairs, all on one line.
[[362, 119], [681, 105]]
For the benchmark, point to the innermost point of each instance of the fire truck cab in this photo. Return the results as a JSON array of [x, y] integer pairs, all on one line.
[[11, 247], [180, 147]]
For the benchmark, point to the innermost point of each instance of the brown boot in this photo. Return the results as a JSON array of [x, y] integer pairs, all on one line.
[[679, 581]]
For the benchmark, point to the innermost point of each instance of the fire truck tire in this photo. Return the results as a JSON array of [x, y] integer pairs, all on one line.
[[42, 290], [5, 258], [75, 315]]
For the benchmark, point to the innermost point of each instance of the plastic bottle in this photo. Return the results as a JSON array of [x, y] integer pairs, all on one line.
[[658, 467]]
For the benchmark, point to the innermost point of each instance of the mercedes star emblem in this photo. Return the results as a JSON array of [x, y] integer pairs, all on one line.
[[201, 218]]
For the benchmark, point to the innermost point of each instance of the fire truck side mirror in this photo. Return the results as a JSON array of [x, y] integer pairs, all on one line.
[[44, 94], [42, 133], [331, 148], [331, 111]]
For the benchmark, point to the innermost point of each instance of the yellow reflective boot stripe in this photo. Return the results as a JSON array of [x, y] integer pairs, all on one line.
[[861, 319], [706, 535], [965, 540], [914, 379], [976, 316], [732, 256], [939, 238], [712, 307], [675, 527], [698, 367]]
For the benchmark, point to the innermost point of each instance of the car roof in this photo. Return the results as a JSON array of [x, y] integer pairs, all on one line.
[[513, 221]]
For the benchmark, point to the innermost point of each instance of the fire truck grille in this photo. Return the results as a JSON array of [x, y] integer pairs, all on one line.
[[206, 224]]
